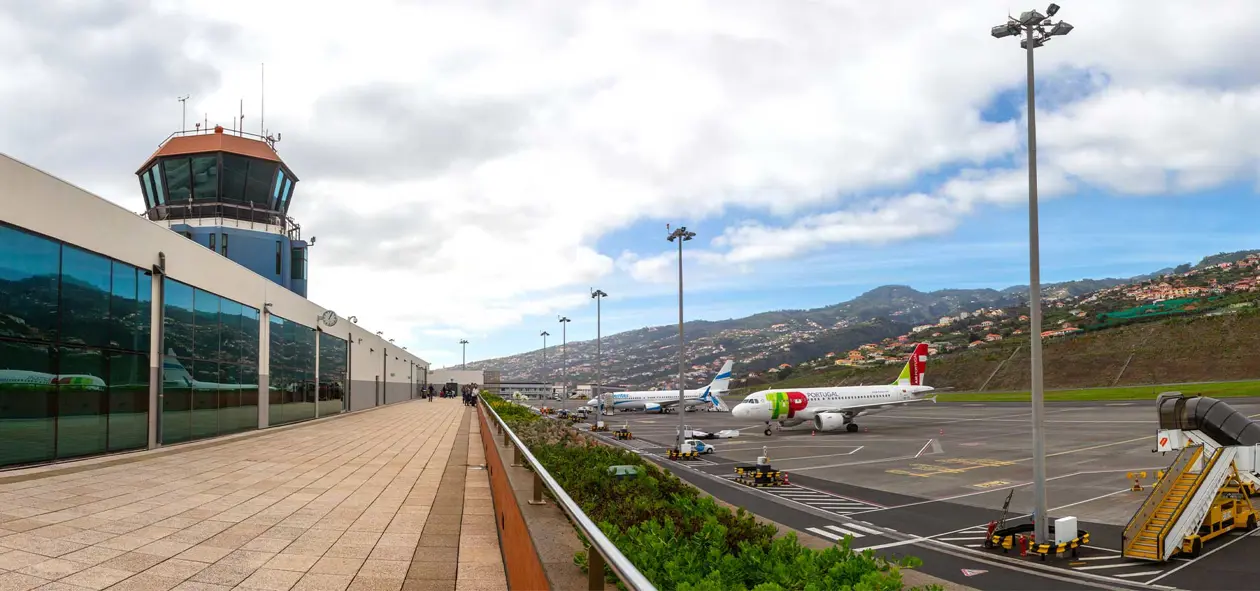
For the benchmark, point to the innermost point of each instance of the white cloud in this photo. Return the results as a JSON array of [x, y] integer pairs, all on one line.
[[461, 159]]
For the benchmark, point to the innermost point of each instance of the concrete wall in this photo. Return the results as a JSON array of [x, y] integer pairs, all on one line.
[[39, 202], [437, 377]]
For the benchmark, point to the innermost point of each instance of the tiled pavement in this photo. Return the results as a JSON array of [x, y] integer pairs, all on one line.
[[338, 504]]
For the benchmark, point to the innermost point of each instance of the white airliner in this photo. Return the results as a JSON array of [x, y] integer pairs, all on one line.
[[829, 409], [21, 378], [664, 400], [174, 374]]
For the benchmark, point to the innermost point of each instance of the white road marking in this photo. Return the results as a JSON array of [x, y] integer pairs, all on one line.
[[1141, 574], [843, 531], [1202, 556], [823, 533], [975, 545], [862, 528], [1102, 566], [1102, 557], [925, 446], [966, 539]]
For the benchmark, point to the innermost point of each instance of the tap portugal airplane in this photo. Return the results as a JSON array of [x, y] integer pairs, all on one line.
[[664, 400], [830, 409]]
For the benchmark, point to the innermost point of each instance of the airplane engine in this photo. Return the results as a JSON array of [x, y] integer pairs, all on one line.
[[651, 407], [829, 421]]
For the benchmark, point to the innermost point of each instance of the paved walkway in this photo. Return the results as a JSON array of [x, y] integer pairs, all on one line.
[[347, 503]]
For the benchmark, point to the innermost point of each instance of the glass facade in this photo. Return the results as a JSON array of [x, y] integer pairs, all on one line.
[[334, 374], [292, 372], [74, 340], [210, 366]]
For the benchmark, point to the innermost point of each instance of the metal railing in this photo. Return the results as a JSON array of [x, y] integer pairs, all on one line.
[[1185, 458], [602, 551]]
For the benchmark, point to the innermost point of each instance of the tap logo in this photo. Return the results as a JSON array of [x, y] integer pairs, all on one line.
[[783, 405]]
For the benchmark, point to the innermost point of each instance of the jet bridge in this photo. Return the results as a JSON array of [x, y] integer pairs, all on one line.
[[1207, 490]]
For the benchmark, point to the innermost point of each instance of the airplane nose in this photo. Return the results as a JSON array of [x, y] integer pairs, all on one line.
[[739, 411]]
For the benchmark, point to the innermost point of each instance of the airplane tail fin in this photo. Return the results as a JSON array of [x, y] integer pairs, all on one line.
[[722, 381], [915, 369], [721, 384], [173, 370]]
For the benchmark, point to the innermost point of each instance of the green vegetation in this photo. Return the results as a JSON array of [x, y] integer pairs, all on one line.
[[1178, 350], [1215, 390], [678, 538]]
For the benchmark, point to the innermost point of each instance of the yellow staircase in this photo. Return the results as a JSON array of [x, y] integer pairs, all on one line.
[[1143, 538], [1147, 543]]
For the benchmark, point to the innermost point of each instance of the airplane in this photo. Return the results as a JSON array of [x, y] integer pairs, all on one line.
[[664, 400], [829, 409], [175, 375], [22, 379]]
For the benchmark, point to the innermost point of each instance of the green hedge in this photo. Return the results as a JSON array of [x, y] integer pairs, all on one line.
[[678, 538]]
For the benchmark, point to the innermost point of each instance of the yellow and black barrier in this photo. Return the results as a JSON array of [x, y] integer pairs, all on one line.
[[1138, 477], [599, 428], [623, 434], [689, 455], [761, 478]]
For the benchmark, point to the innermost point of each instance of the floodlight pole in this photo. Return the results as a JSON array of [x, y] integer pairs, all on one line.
[[681, 235], [1040, 517], [546, 375], [599, 295], [463, 345], [1033, 26], [564, 354]]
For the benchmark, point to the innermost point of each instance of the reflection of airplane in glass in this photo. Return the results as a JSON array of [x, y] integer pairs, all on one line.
[[175, 375], [16, 379]]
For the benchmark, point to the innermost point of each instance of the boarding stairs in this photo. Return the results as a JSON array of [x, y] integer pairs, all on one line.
[[1216, 454]]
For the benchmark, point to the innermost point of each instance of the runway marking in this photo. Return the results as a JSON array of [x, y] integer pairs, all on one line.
[[863, 528], [929, 470], [855, 450], [925, 446], [1072, 451], [1103, 566], [1141, 574], [963, 539], [1102, 557], [990, 484]]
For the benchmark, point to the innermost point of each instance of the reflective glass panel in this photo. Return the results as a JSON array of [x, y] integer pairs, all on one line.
[[128, 401], [205, 177], [85, 289], [249, 337], [275, 191], [82, 422], [230, 331], [176, 401], [29, 276], [235, 170], [178, 183], [27, 426], [205, 399], [159, 196], [179, 319], [261, 175], [206, 326]]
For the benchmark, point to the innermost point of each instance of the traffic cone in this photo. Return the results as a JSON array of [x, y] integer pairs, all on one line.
[[942, 431], [813, 433]]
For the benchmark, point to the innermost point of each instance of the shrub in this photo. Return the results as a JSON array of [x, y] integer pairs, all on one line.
[[678, 538]]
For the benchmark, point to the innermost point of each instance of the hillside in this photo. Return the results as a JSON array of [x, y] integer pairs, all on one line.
[[872, 327], [1186, 349]]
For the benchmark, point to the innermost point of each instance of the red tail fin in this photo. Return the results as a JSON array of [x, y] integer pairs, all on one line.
[[918, 364]]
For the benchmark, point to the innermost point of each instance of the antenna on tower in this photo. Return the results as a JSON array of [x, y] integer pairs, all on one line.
[[262, 103], [241, 129], [183, 102]]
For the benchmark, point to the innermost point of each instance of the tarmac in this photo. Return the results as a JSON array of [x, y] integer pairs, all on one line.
[[925, 480], [386, 499]]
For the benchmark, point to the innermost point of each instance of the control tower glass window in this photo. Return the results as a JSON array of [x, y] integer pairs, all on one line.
[[159, 197], [177, 180], [205, 178], [235, 170], [258, 189]]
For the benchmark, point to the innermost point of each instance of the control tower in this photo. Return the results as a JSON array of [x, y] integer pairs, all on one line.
[[230, 192]]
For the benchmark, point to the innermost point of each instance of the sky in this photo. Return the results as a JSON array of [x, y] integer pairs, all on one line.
[[490, 162]]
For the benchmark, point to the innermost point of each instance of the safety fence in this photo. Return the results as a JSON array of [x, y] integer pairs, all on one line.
[[601, 551]]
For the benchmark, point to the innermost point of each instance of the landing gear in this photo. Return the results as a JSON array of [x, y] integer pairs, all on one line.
[[768, 431], [851, 427]]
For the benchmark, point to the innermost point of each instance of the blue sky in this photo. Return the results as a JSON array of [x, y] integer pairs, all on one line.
[[1093, 234]]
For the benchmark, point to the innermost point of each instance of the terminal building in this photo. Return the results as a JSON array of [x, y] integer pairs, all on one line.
[[122, 332]]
